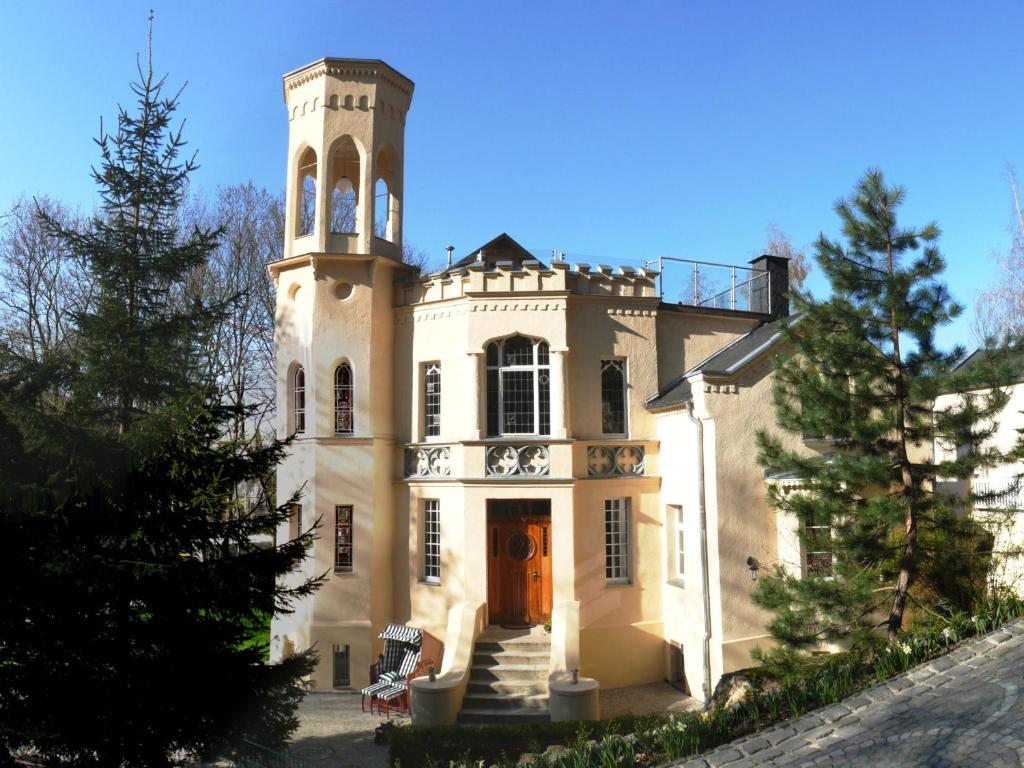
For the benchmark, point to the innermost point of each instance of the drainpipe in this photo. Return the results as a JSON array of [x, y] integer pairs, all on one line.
[[702, 509]]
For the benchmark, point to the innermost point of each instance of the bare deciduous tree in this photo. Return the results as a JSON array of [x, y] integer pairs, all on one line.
[[42, 287], [241, 354], [779, 244], [999, 311]]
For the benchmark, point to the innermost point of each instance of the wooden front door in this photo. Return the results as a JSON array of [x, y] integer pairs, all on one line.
[[519, 562]]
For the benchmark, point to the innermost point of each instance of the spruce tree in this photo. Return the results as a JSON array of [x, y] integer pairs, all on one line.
[[864, 372], [136, 592]]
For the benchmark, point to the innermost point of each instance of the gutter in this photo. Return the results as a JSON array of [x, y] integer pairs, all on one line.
[[702, 508]]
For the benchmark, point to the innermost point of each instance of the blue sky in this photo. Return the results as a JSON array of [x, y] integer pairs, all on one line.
[[617, 131]]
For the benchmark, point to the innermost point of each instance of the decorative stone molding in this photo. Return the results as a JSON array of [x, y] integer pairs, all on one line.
[[428, 462], [615, 460], [507, 460]]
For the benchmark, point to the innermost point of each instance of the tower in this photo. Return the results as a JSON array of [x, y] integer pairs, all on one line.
[[342, 246]]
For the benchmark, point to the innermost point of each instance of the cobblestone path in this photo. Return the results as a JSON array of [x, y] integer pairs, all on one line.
[[962, 709]]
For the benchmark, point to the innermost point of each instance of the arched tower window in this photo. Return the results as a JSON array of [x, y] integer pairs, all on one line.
[[345, 177], [343, 400], [307, 193], [299, 400], [518, 387], [384, 199]]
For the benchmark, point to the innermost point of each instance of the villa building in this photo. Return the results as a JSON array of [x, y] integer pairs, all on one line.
[[515, 438]]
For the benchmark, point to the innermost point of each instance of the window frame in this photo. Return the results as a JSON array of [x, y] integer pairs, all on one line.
[[618, 554], [496, 390], [621, 364], [676, 525], [430, 548], [806, 553], [431, 430], [339, 390], [298, 392], [340, 544]]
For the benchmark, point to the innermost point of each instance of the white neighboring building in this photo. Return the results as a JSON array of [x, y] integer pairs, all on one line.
[[1005, 479]]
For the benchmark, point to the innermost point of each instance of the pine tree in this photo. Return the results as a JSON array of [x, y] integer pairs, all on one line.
[[135, 589], [865, 371]]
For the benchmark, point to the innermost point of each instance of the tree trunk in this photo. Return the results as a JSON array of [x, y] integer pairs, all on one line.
[[908, 485]]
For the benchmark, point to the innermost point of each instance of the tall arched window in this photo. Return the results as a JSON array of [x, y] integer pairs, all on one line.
[[343, 421], [343, 207], [299, 400], [518, 387], [613, 397], [307, 193], [382, 205], [345, 174]]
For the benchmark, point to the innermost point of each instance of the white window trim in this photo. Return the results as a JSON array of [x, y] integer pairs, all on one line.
[[295, 390], [426, 368], [625, 396], [676, 525], [625, 545], [424, 578]]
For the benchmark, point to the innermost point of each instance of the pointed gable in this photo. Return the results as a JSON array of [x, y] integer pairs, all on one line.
[[501, 248]]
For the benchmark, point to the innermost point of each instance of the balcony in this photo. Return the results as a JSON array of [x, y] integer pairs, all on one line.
[[711, 285], [518, 460]]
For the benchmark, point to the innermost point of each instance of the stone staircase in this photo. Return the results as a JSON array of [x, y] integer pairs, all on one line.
[[508, 681]]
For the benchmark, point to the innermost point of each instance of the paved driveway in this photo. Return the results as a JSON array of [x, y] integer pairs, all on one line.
[[963, 709]]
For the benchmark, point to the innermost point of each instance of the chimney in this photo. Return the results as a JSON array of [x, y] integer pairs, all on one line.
[[770, 295]]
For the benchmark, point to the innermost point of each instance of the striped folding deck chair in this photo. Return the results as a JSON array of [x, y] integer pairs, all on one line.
[[399, 641], [398, 692]]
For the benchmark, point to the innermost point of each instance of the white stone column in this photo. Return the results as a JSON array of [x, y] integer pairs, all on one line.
[[559, 401], [474, 360]]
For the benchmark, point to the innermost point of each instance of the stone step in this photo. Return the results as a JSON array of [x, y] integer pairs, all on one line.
[[509, 673], [503, 702], [518, 646], [509, 687], [508, 716], [487, 659]]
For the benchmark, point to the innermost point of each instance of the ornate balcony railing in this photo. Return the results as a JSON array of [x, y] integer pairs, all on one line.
[[428, 461], [615, 460], [529, 460]]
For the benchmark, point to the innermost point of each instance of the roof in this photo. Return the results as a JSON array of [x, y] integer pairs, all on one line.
[[501, 248], [1015, 361], [725, 362]]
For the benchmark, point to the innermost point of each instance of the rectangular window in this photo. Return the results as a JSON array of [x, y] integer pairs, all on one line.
[[432, 541], [676, 544], [818, 547], [613, 397], [432, 400], [343, 538], [616, 541], [342, 676], [518, 402], [295, 521]]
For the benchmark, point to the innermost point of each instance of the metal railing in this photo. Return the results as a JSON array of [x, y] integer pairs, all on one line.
[[1005, 494], [710, 284]]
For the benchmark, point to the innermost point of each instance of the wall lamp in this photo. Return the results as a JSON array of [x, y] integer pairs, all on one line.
[[754, 567]]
